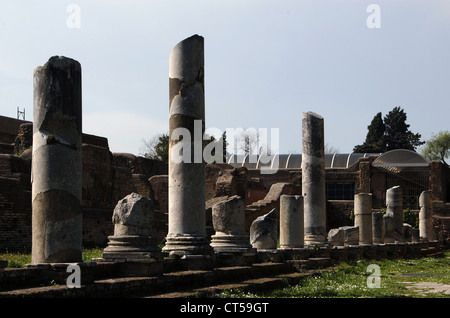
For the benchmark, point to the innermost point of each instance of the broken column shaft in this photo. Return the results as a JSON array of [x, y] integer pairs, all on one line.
[[394, 208], [363, 217], [313, 178], [56, 165], [291, 221], [426, 231], [187, 225]]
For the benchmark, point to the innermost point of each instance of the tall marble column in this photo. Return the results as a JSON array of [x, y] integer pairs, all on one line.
[[56, 165], [187, 225], [313, 178], [291, 221], [394, 208], [426, 231], [363, 217]]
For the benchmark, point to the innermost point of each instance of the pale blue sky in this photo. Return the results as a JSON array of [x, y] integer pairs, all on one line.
[[266, 62]]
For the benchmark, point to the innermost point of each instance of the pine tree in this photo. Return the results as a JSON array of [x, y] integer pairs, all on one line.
[[389, 134], [375, 137], [397, 133]]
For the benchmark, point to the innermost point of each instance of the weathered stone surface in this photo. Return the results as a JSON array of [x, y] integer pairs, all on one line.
[[132, 240], [313, 178], [378, 227], [388, 221], [394, 207], [363, 217], [291, 221], [57, 162], [133, 215], [229, 222], [407, 232], [351, 235], [335, 237], [264, 231], [426, 216], [229, 216], [187, 225]]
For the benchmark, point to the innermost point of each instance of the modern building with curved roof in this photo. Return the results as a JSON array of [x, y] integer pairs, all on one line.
[[350, 173]]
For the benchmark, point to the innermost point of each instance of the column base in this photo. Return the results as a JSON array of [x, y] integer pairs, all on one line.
[[187, 245], [315, 240]]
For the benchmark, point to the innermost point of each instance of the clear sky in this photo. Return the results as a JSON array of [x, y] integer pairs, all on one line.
[[266, 62]]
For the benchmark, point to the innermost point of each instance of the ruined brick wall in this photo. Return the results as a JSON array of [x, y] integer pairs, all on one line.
[[15, 215], [107, 178], [9, 128], [439, 181]]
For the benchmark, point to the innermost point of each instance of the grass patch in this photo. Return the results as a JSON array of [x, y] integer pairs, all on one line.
[[18, 260], [351, 281]]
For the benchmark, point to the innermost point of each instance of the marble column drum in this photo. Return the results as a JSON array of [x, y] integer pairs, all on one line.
[[291, 221], [187, 225], [394, 207], [377, 227], [363, 217], [313, 179], [228, 218], [426, 232], [57, 162]]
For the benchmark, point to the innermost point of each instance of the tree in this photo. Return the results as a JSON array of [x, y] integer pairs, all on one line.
[[157, 148], [389, 133], [438, 147], [375, 137], [397, 134]]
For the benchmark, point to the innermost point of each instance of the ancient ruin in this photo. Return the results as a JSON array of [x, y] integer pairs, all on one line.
[[363, 217], [313, 178], [291, 222], [426, 216], [133, 244], [56, 167], [174, 225], [187, 228]]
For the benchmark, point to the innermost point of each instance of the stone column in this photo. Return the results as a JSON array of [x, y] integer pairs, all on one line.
[[291, 221], [378, 227], [313, 178], [426, 231], [187, 225], [388, 221], [363, 217], [229, 223], [394, 205], [56, 165]]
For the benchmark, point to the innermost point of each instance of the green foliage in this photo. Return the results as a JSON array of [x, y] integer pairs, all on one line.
[[18, 260], [397, 279], [389, 133], [375, 137], [157, 148], [411, 218], [438, 147]]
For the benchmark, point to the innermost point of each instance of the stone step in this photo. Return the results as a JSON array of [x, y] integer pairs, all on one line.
[[311, 263], [251, 285], [165, 283]]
